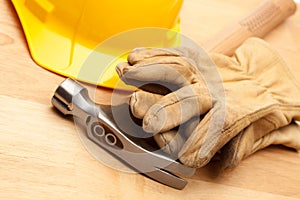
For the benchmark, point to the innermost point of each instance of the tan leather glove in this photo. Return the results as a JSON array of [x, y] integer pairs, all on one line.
[[258, 87], [238, 148], [246, 143]]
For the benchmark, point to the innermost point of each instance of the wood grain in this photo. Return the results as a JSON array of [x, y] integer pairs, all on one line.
[[41, 156]]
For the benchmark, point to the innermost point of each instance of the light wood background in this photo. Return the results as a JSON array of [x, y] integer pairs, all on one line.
[[41, 156]]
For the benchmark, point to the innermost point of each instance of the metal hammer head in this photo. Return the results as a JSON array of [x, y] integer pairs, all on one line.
[[71, 98]]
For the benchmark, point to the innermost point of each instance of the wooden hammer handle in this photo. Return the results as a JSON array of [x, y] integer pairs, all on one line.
[[259, 22]]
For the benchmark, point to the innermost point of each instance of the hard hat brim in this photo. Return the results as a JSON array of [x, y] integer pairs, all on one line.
[[60, 54]]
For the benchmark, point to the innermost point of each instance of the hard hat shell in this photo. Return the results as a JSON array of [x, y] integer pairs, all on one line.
[[62, 33]]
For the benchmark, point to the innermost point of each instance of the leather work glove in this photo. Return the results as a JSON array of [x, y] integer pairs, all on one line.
[[246, 143], [255, 95]]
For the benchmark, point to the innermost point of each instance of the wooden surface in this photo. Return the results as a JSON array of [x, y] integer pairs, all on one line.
[[41, 156]]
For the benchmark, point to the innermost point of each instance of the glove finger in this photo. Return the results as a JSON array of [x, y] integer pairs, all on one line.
[[195, 153], [123, 67], [247, 143], [167, 71], [140, 102], [288, 136], [209, 136], [160, 75], [140, 54], [141, 81], [172, 141], [177, 108]]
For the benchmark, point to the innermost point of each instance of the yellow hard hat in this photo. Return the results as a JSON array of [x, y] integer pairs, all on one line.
[[62, 33]]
